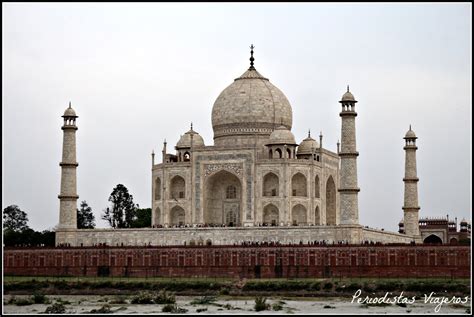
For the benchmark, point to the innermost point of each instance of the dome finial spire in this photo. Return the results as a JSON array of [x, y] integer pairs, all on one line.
[[251, 57], [69, 104], [347, 88], [410, 127], [309, 133], [191, 125]]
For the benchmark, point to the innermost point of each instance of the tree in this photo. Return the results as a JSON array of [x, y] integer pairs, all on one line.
[[123, 210], [85, 217], [14, 219], [143, 219]]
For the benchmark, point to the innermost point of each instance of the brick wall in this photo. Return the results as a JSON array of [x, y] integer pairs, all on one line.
[[243, 261]]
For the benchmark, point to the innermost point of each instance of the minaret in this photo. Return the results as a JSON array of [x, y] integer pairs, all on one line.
[[348, 190], [68, 196], [410, 207]]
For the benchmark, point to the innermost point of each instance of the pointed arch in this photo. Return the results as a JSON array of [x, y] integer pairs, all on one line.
[[178, 188], [317, 216], [271, 184], [223, 199], [271, 215], [278, 153], [433, 239], [330, 201], [177, 216], [157, 188], [316, 187], [298, 185], [298, 215]]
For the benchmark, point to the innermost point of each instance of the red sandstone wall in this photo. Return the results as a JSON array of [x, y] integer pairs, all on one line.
[[241, 261]]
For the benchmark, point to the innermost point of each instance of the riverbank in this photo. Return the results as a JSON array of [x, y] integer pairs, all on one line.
[[231, 287], [226, 305]]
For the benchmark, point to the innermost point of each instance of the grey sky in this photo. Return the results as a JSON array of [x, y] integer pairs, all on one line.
[[139, 73]]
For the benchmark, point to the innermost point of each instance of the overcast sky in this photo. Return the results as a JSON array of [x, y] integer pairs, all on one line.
[[139, 73]]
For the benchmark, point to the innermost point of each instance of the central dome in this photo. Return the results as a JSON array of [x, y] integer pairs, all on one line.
[[251, 107]]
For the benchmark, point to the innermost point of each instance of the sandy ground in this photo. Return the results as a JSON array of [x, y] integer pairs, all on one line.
[[238, 305]]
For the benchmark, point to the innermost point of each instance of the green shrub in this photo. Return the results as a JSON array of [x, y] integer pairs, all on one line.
[[277, 306], [328, 306], [224, 291], [23, 302], [327, 286], [173, 308], [56, 308], [354, 287], [163, 297], [200, 310], [105, 309], [119, 300], [39, 298], [368, 288], [63, 301], [204, 300], [142, 298], [12, 300], [260, 303]]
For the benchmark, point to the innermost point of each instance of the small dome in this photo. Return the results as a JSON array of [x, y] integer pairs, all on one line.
[[281, 135], [348, 96], [307, 146], [185, 140], [69, 112], [410, 134], [463, 222]]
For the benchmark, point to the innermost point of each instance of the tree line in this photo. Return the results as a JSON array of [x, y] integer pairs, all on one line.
[[122, 213]]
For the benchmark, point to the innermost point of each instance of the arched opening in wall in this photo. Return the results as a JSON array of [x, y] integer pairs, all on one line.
[[186, 156], [157, 216], [177, 216], [278, 153], [157, 188], [270, 154], [453, 241], [222, 199], [270, 185], [298, 185], [298, 215], [271, 215], [178, 187], [317, 216], [316, 187], [208, 242], [433, 239], [330, 201], [288, 151]]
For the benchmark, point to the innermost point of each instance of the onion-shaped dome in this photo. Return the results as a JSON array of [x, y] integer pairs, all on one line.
[[281, 135], [348, 96], [185, 140], [307, 146], [463, 222], [251, 105], [69, 112], [410, 134]]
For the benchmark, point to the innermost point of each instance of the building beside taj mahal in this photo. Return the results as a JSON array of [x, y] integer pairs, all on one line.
[[254, 183]]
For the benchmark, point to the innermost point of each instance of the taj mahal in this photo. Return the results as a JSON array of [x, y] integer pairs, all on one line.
[[254, 183]]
